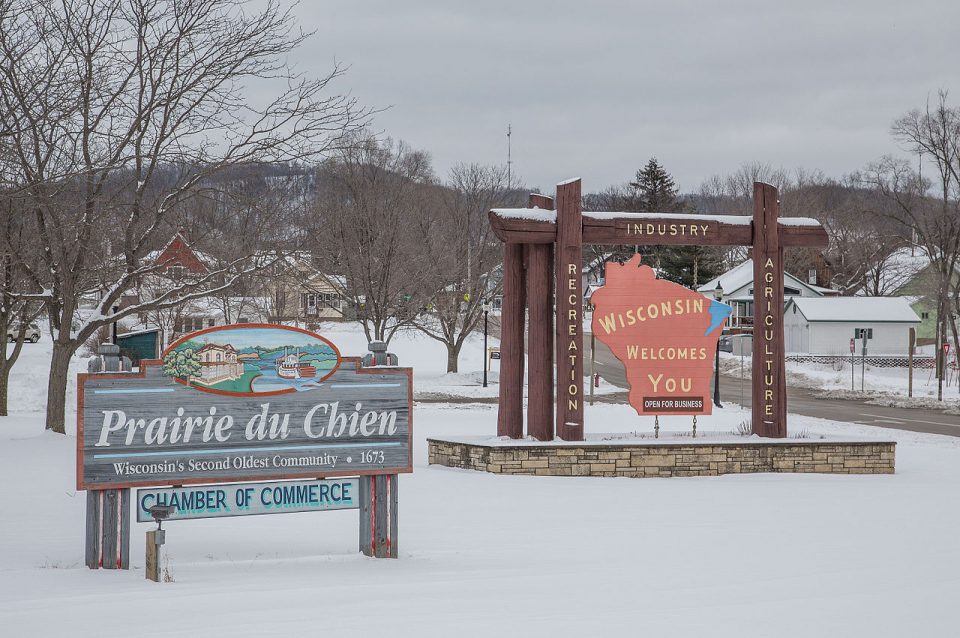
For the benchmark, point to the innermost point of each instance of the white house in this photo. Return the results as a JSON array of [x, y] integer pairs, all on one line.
[[825, 325], [737, 286]]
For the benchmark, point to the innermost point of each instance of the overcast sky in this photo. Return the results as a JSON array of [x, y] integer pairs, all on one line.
[[596, 88]]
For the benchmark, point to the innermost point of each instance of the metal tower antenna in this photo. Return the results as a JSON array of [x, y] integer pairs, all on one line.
[[509, 160]]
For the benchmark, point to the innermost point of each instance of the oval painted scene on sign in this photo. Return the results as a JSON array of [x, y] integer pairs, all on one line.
[[251, 360]]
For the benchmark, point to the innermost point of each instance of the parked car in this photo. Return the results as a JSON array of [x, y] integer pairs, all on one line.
[[32, 335], [726, 344]]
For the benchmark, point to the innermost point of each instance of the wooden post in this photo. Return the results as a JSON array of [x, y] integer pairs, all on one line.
[[769, 405], [540, 300], [108, 529], [569, 262], [93, 538], [510, 415], [153, 566], [378, 515]]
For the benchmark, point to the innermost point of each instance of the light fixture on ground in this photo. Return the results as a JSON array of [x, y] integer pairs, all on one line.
[[155, 540]]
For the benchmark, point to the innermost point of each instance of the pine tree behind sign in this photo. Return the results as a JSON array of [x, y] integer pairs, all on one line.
[[655, 189]]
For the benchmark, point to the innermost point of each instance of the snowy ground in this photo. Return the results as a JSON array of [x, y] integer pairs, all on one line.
[[480, 555]]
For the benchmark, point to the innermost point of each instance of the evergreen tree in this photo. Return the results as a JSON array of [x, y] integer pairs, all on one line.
[[654, 189], [690, 266]]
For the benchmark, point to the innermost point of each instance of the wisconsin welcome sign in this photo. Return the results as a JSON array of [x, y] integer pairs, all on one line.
[[664, 334], [245, 402]]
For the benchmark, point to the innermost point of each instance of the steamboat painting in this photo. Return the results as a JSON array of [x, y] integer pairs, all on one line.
[[251, 359]]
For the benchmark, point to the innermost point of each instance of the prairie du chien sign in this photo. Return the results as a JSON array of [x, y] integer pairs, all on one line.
[[664, 334], [239, 403]]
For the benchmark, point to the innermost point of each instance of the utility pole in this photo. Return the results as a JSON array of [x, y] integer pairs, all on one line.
[[509, 158]]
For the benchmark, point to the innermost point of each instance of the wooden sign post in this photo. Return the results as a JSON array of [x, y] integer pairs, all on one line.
[[530, 235], [107, 543], [540, 276], [769, 405], [569, 312]]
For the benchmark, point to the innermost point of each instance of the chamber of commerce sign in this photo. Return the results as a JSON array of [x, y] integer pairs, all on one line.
[[236, 403], [664, 334], [248, 499]]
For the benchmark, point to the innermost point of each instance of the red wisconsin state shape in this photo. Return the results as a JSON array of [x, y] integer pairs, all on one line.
[[658, 330]]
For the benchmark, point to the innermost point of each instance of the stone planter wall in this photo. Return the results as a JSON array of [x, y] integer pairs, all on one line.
[[639, 459]]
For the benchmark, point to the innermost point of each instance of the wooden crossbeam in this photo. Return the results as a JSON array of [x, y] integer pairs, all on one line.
[[537, 227]]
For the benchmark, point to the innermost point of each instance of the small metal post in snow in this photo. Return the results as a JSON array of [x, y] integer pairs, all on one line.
[[593, 344], [863, 363]]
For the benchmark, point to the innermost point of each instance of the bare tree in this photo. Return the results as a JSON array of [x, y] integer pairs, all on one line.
[[465, 254], [16, 313], [369, 225], [119, 111], [934, 134], [936, 227]]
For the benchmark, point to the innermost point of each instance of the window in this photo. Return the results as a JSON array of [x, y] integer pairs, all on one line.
[[858, 333], [330, 299], [211, 323], [924, 315], [191, 324]]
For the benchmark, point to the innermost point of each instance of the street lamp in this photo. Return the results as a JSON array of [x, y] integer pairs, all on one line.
[[486, 354], [718, 295]]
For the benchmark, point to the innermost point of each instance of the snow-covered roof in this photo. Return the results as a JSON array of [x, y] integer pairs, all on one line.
[[734, 279], [206, 259], [825, 291], [742, 275], [862, 309], [141, 331], [897, 270]]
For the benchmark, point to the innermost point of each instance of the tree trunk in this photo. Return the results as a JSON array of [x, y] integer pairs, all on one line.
[[453, 357], [940, 363], [57, 386], [4, 385]]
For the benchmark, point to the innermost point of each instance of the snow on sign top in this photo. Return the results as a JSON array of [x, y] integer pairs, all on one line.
[[863, 309], [799, 221], [541, 215], [531, 214], [727, 219]]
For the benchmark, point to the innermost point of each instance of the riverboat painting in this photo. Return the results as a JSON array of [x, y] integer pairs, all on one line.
[[251, 360]]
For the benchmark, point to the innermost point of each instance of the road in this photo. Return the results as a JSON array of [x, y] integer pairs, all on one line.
[[802, 401]]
